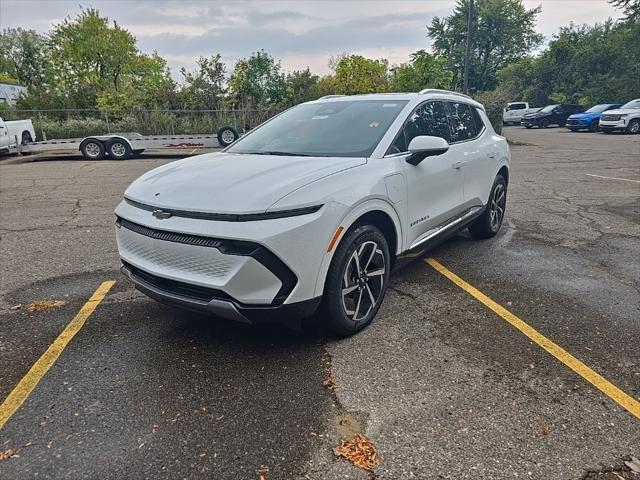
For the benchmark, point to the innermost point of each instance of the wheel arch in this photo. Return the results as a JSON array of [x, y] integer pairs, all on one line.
[[375, 212], [504, 171]]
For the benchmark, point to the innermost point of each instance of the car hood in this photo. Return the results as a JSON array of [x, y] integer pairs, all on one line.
[[622, 111], [537, 115], [584, 116], [232, 183]]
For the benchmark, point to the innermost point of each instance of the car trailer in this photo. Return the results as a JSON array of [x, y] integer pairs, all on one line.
[[127, 145]]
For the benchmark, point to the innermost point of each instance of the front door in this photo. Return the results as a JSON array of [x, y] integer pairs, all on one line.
[[434, 186]]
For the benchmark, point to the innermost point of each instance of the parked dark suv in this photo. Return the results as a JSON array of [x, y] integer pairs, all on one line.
[[551, 115]]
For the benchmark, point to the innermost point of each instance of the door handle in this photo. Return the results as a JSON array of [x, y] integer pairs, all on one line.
[[458, 165], [492, 154]]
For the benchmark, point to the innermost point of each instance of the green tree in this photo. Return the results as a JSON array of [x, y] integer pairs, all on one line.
[[205, 87], [630, 8], [357, 74], [423, 71], [588, 64], [503, 32], [257, 81], [301, 86], [22, 56]]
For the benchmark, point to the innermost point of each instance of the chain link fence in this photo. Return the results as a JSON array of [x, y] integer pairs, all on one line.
[[73, 123]]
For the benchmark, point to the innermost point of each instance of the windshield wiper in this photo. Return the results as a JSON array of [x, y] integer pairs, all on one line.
[[283, 154]]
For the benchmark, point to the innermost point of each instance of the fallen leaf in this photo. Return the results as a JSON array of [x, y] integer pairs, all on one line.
[[359, 451], [12, 452], [40, 305], [634, 465]]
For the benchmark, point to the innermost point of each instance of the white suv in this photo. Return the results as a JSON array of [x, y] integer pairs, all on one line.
[[626, 118], [314, 207]]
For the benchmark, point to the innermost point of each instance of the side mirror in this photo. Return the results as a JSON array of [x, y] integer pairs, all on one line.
[[425, 146]]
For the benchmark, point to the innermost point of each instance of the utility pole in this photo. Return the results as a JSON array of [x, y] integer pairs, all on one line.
[[467, 56]]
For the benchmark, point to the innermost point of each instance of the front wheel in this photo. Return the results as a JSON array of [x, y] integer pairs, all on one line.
[[357, 280], [489, 223], [634, 126], [594, 126], [543, 124], [92, 150]]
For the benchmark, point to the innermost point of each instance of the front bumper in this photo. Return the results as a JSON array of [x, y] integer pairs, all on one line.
[[611, 125], [183, 295], [577, 124], [529, 122], [233, 269]]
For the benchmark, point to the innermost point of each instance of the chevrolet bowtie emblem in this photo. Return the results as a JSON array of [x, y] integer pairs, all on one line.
[[161, 214]]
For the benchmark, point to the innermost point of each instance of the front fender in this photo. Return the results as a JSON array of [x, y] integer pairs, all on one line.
[[348, 220]]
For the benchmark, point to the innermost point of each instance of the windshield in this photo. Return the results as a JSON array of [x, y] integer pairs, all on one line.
[[632, 104], [328, 129], [549, 108], [598, 108]]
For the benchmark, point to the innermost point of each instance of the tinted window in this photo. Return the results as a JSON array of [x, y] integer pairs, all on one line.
[[343, 128], [517, 106], [477, 119], [428, 119], [463, 125]]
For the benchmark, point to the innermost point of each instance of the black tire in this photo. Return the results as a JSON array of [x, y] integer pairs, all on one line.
[[634, 126], [528, 126], [486, 226], [26, 138], [342, 320], [574, 129], [227, 135], [137, 153], [543, 124], [119, 149], [594, 126], [92, 149]]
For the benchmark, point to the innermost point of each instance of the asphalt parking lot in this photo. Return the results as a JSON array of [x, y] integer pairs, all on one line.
[[443, 386]]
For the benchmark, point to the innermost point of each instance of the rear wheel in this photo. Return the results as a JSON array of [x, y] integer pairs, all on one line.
[[357, 280], [119, 149], [489, 223], [634, 126], [92, 150]]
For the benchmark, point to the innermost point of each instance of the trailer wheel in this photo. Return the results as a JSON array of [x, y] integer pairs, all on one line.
[[92, 149], [137, 153], [119, 149], [227, 135]]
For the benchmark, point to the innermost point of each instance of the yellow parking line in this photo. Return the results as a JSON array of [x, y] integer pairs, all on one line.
[[612, 178], [24, 388], [623, 399]]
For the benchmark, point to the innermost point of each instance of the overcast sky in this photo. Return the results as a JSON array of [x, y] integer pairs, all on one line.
[[300, 33]]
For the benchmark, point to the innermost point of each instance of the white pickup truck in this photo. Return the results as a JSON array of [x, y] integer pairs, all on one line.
[[514, 111], [15, 133]]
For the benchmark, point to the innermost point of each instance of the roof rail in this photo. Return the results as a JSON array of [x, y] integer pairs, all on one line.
[[331, 96], [437, 90]]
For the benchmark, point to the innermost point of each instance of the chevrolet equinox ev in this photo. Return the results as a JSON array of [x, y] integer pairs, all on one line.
[[313, 207]]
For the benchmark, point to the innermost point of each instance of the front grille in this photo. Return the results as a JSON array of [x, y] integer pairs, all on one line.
[[182, 289], [230, 247], [610, 118], [573, 122]]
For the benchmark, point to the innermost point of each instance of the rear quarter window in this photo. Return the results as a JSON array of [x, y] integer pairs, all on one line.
[[461, 121]]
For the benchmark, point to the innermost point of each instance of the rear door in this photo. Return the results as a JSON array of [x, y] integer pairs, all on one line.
[[434, 186], [474, 152]]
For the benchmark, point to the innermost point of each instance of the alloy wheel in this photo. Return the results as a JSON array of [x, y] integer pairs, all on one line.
[[363, 280], [498, 203], [228, 136]]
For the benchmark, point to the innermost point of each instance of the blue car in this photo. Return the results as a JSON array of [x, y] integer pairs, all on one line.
[[589, 119]]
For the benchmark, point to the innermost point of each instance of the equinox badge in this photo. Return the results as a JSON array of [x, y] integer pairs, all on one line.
[[161, 214]]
